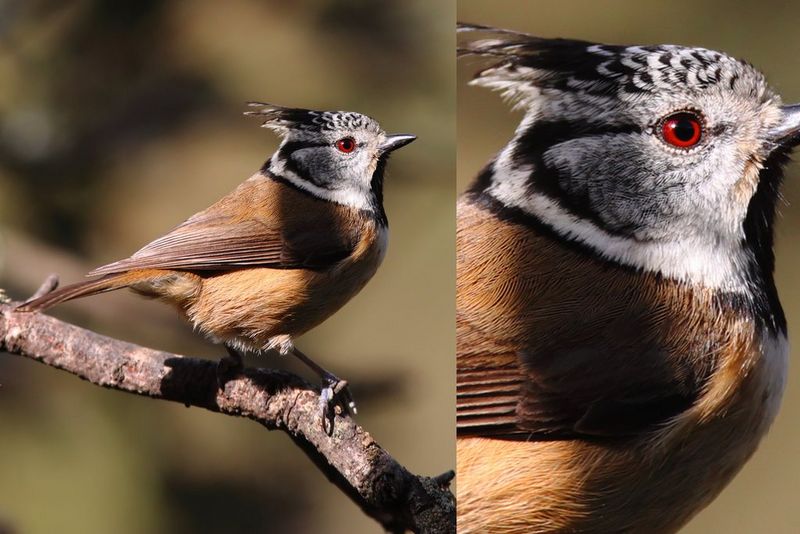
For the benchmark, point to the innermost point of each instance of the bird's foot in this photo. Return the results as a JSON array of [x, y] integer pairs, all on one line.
[[335, 399]]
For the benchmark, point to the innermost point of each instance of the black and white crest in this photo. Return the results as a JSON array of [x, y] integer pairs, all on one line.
[[524, 62], [282, 119]]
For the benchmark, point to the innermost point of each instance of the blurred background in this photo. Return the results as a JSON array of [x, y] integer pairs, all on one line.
[[764, 496], [120, 119]]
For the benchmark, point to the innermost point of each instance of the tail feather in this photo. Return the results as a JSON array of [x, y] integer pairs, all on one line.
[[81, 289]]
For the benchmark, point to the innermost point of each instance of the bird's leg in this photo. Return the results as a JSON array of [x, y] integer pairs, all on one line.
[[333, 387], [229, 366]]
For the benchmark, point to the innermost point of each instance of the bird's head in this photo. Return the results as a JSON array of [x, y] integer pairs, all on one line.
[[335, 155]]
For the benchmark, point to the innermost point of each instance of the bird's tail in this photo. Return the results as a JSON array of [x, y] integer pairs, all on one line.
[[81, 289]]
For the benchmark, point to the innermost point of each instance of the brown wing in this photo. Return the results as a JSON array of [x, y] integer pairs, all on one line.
[[554, 343], [263, 222]]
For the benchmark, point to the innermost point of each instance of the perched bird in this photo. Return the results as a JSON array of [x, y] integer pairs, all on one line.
[[621, 349], [283, 251]]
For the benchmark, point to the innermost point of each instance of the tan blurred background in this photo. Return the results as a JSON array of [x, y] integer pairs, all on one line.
[[120, 119], [765, 497]]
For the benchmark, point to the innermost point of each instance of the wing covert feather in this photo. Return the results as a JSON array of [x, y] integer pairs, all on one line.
[[262, 223]]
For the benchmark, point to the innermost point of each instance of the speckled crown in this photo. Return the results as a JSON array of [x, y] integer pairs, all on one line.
[[605, 70], [282, 119]]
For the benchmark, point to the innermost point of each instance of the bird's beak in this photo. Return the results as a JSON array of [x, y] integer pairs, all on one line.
[[393, 142], [787, 131]]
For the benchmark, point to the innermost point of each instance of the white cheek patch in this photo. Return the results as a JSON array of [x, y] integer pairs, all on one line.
[[695, 259], [350, 194]]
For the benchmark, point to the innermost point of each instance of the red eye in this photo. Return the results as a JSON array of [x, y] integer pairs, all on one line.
[[682, 130], [346, 145]]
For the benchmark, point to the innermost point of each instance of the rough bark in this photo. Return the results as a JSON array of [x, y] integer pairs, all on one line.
[[347, 455]]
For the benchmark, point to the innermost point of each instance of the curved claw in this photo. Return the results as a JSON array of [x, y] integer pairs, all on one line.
[[335, 399]]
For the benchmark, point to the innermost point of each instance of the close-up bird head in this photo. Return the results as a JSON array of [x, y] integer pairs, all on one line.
[[664, 158], [338, 156]]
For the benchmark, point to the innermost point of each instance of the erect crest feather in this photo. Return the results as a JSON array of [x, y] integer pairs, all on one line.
[[282, 119], [522, 66]]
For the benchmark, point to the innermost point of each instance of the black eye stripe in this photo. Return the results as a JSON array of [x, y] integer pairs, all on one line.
[[542, 135], [293, 146]]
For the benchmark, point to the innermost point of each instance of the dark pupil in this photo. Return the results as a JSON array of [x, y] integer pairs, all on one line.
[[347, 144], [684, 129]]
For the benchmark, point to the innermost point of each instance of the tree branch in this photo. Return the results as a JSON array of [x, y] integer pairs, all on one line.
[[349, 457]]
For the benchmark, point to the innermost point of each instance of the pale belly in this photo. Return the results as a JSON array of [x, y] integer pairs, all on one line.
[[261, 308]]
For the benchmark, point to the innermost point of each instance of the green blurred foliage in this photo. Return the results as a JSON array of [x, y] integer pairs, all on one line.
[[763, 498], [120, 119]]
